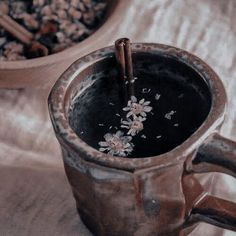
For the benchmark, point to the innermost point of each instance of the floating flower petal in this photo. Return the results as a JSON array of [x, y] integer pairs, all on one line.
[[135, 108], [134, 126], [116, 144]]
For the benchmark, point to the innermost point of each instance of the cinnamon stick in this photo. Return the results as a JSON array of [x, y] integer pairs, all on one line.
[[120, 57], [124, 60], [15, 29], [20, 33], [129, 65]]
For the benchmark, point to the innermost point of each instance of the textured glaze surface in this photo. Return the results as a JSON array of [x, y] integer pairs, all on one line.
[[181, 89], [155, 195], [28, 144], [59, 101]]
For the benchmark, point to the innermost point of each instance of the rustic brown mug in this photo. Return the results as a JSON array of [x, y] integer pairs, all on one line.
[[156, 195]]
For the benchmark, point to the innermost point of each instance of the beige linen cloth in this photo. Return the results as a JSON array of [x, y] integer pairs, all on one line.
[[35, 197]]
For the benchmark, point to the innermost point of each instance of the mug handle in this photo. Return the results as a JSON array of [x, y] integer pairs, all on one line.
[[217, 154]]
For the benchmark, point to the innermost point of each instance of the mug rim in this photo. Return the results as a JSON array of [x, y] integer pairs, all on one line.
[[68, 137]]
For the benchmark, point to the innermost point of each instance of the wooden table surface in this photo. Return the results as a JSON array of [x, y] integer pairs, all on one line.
[[35, 197]]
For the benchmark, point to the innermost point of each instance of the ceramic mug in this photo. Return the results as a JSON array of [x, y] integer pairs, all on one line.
[[156, 195]]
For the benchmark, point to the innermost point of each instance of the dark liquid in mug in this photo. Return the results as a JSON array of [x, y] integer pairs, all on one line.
[[179, 98]]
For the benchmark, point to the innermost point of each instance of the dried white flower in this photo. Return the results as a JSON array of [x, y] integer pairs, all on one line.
[[13, 47], [169, 114], [133, 80], [146, 90], [60, 37], [116, 144], [134, 126], [157, 96], [2, 41], [135, 108]]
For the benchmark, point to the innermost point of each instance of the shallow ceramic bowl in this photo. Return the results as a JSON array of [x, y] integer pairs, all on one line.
[[43, 71]]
